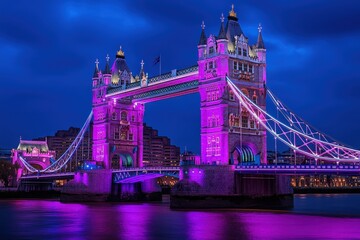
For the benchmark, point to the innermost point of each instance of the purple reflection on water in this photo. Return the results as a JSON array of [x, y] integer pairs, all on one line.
[[41, 219]]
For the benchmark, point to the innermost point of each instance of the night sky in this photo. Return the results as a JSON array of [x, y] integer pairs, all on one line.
[[48, 50]]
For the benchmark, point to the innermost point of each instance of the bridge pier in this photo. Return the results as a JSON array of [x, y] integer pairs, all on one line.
[[207, 186], [88, 186], [147, 190]]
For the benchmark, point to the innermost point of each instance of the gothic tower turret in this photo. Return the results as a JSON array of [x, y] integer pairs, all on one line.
[[261, 54], [229, 135], [107, 72]]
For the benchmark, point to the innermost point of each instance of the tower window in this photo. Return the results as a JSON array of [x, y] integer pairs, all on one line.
[[211, 50], [244, 52], [123, 116], [244, 121], [211, 65], [231, 96], [252, 123], [114, 116], [254, 99], [116, 134], [236, 65]]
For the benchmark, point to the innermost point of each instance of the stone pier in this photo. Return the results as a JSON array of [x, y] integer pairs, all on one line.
[[147, 190], [88, 186], [207, 186]]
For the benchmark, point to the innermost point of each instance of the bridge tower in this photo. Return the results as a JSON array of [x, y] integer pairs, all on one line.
[[229, 135], [118, 123]]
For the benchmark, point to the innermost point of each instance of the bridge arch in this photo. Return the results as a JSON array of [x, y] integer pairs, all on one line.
[[245, 153], [121, 160]]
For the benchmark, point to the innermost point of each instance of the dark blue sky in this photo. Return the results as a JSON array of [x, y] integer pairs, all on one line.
[[48, 49]]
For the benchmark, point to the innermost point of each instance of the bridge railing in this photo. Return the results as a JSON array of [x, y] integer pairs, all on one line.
[[158, 78], [295, 167], [145, 169]]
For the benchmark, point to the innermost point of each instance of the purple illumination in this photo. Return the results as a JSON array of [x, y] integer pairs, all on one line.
[[316, 217], [217, 58]]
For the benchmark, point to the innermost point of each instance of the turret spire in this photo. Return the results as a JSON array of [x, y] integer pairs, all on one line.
[[96, 72], [202, 40], [120, 53], [107, 66], [222, 33], [142, 73], [232, 13], [260, 42]]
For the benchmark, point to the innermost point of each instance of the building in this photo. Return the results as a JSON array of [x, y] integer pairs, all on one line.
[[35, 153], [229, 134], [158, 150], [61, 141], [189, 158]]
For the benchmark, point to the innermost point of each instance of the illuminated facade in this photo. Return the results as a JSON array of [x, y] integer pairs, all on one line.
[[229, 134], [35, 153]]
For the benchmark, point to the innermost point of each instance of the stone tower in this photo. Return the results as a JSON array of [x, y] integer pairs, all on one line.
[[118, 123], [229, 134]]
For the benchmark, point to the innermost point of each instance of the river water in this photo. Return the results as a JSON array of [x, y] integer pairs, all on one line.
[[325, 216]]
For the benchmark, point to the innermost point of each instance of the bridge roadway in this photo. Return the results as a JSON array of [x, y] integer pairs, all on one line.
[[130, 175]]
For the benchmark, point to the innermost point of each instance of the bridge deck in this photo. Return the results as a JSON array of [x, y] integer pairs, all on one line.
[[251, 169]]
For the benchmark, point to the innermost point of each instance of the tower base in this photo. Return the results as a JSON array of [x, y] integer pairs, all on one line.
[[221, 187]]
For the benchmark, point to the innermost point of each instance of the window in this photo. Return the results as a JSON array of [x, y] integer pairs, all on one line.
[[123, 116], [244, 120], [210, 65], [114, 116], [244, 52], [217, 146], [231, 96], [245, 67], [116, 134], [239, 51], [236, 121], [123, 135], [236, 65], [254, 99], [133, 118], [211, 50], [131, 136], [251, 68], [252, 123]]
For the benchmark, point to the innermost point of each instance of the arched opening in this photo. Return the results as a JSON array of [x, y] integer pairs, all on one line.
[[37, 166], [126, 160], [115, 162], [242, 155]]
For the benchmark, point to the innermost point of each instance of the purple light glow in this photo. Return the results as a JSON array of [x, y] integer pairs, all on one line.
[[156, 221]]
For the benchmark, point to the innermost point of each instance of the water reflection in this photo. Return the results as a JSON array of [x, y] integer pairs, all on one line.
[[315, 216]]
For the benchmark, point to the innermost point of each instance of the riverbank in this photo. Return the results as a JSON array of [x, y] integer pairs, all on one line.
[[13, 194], [328, 190]]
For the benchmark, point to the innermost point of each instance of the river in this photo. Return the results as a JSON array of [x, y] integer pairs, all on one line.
[[323, 216]]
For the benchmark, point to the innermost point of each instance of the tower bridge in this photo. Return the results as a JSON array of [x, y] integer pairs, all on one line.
[[119, 100], [230, 77]]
